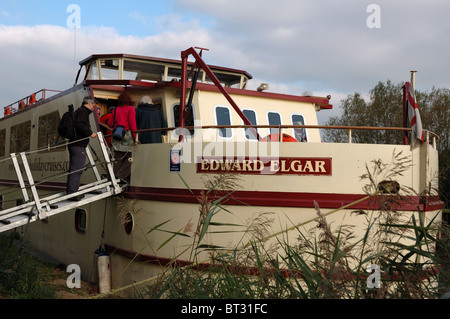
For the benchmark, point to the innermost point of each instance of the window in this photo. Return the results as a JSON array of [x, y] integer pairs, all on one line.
[[128, 223], [20, 137], [92, 71], [389, 187], [251, 116], [110, 69], [189, 120], [48, 130], [223, 117], [299, 133], [274, 119], [80, 221], [144, 71], [2, 142]]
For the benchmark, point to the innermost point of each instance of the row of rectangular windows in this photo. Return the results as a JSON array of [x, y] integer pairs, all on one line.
[[223, 117], [21, 134]]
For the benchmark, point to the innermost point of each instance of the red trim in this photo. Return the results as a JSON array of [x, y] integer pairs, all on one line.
[[287, 199], [106, 84], [270, 199]]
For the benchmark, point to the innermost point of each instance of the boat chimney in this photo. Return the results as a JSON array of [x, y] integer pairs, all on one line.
[[413, 80]]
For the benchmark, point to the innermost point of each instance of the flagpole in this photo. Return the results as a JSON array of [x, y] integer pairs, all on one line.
[[413, 81], [405, 117]]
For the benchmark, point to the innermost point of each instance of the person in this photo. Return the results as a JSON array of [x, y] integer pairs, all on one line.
[[77, 146], [105, 129], [148, 116], [124, 115]]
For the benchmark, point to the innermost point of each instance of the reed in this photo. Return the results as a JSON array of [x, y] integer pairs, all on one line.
[[332, 262]]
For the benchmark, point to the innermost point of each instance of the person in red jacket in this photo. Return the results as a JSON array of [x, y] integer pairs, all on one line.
[[125, 116], [104, 119]]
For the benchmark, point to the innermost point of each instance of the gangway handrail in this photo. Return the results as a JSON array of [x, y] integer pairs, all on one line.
[[36, 207]]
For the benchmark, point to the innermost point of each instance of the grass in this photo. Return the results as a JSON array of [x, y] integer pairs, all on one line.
[[21, 275]]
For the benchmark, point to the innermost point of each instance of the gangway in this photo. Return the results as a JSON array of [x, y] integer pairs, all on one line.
[[37, 208]]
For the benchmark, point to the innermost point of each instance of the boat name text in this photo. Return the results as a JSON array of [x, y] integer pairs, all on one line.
[[274, 166]]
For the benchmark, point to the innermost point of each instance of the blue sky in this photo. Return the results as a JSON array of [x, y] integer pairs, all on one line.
[[297, 46], [136, 18]]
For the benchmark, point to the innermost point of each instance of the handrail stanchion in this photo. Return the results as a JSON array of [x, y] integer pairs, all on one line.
[[20, 177], [37, 202]]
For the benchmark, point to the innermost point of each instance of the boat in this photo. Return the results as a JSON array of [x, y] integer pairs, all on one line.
[[267, 144]]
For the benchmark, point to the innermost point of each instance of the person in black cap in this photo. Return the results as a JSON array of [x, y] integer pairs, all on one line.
[[77, 145]]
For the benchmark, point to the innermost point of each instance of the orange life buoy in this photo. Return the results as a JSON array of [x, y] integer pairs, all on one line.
[[32, 99], [276, 138]]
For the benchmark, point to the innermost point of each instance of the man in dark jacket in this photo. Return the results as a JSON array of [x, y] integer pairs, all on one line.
[[148, 116], [77, 146]]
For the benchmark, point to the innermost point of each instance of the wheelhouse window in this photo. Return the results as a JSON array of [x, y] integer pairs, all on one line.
[[299, 133], [48, 130], [92, 71], [274, 118], [251, 116], [20, 137], [144, 71], [109, 69], [223, 117], [2, 142]]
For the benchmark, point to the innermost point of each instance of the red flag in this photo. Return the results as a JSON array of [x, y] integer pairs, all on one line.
[[413, 115]]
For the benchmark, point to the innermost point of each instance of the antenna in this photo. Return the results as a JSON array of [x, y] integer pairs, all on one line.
[[75, 49]]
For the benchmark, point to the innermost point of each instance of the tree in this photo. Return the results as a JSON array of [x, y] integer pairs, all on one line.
[[385, 109]]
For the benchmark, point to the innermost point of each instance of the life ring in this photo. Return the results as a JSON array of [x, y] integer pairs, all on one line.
[[276, 138], [32, 99]]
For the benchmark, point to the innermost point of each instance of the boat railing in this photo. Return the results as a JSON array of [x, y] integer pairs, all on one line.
[[28, 101], [350, 129]]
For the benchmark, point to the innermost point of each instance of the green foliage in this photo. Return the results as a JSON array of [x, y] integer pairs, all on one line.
[[20, 274]]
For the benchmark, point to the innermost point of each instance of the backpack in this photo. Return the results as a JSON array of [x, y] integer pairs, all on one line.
[[66, 127]]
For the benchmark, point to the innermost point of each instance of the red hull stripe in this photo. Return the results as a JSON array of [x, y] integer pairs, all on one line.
[[273, 199], [290, 199]]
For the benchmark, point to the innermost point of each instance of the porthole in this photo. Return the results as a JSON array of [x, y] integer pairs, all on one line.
[[80, 221], [389, 187], [128, 223]]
